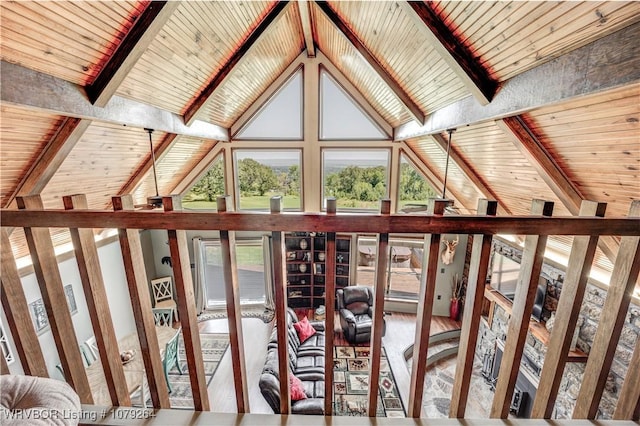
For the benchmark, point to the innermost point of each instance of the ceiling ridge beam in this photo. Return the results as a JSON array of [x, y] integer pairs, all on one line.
[[159, 151], [551, 173], [127, 53], [308, 27], [38, 91], [481, 186], [607, 63], [50, 158], [203, 98], [373, 62], [458, 56]]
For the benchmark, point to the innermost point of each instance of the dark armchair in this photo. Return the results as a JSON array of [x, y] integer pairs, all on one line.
[[355, 305]]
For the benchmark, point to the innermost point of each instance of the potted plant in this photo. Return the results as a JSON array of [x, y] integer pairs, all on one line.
[[456, 296]]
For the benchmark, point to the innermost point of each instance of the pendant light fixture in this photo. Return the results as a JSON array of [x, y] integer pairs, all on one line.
[[446, 166], [156, 200]]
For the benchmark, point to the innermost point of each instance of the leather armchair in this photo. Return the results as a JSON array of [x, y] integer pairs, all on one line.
[[355, 305]]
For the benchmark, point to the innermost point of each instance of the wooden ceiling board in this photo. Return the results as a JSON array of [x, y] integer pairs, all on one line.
[[351, 64], [171, 168], [512, 37], [99, 165], [597, 142], [261, 65], [404, 51], [24, 135], [191, 48], [65, 39]]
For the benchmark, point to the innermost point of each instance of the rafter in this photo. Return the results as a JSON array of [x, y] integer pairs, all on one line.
[[459, 58], [551, 173], [308, 27], [134, 44], [37, 91], [481, 186], [51, 158], [201, 101], [582, 72], [353, 38]]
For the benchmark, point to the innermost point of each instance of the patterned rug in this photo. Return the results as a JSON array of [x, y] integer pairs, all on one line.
[[351, 384], [214, 345]]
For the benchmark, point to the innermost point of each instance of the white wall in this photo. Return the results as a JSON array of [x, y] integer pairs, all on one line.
[[445, 275], [118, 298]]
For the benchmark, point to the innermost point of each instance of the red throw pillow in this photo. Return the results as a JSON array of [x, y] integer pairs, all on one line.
[[297, 388], [304, 329]]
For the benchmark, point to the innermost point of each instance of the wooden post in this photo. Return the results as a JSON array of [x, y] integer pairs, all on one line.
[[567, 312], [375, 349], [330, 311], [232, 290], [133, 261], [280, 295], [16, 309], [185, 300], [97, 304], [621, 286], [425, 310], [628, 407], [530, 267], [478, 265], [46, 269]]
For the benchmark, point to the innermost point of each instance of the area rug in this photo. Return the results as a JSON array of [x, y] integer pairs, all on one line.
[[351, 384], [214, 345]]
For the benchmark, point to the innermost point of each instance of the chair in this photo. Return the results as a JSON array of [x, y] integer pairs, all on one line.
[[91, 344], [163, 316], [163, 294], [171, 358], [86, 354], [355, 305]]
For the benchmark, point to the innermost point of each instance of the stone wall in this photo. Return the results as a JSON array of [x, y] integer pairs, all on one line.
[[535, 351]]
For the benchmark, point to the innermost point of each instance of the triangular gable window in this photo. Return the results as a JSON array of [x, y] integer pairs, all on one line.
[[414, 189], [204, 193], [341, 117], [277, 118]]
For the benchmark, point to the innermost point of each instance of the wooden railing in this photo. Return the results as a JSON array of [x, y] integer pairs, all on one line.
[[586, 228]]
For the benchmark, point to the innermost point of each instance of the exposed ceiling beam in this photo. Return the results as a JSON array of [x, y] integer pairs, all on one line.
[[353, 38], [481, 186], [201, 101], [551, 173], [133, 45], [605, 64], [167, 142], [308, 27], [51, 158], [458, 56], [34, 90]]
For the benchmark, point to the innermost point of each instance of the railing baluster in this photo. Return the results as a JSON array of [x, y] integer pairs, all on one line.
[[133, 261], [575, 282], [530, 267], [621, 286], [234, 317], [478, 266], [46, 269], [330, 309], [425, 310], [16, 309], [86, 252]]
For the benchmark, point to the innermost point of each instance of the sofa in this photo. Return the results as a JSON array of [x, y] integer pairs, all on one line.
[[306, 362]]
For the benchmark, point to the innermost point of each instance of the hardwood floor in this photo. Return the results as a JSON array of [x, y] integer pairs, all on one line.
[[400, 333]]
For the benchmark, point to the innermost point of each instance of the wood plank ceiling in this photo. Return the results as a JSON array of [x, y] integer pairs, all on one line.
[[207, 62]]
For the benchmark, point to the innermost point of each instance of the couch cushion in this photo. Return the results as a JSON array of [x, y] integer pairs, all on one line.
[[358, 308], [314, 389], [304, 329]]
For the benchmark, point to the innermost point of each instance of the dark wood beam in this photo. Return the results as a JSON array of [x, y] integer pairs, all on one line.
[[373, 62], [466, 168], [605, 64], [51, 158], [398, 223], [308, 27], [551, 173], [458, 56], [37, 91], [134, 44], [202, 99]]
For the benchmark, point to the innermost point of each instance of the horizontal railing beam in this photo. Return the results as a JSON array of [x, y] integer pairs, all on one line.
[[362, 223]]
